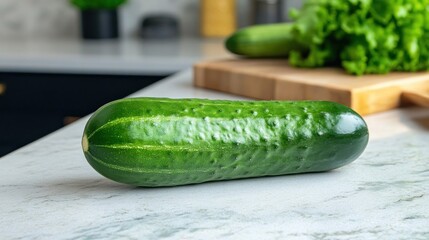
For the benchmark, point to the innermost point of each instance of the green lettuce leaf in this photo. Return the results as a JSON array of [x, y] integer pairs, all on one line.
[[363, 36]]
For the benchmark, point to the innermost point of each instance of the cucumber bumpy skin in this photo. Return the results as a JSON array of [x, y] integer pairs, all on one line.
[[157, 142]]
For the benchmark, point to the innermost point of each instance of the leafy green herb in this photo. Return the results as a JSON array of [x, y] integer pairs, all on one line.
[[97, 4], [363, 36]]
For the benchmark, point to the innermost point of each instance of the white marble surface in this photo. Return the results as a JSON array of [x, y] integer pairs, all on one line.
[[129, 56], [49, 191]]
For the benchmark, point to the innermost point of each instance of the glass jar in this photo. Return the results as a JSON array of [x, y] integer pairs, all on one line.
[[218, 18]]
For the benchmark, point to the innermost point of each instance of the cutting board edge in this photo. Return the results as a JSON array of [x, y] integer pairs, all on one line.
[[220, 80], [365, 99]]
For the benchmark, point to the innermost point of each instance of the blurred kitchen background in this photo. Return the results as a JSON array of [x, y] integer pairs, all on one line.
[[58, 19], [50, 75]]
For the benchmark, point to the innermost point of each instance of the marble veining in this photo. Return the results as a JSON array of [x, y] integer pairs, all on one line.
[[49, 191]]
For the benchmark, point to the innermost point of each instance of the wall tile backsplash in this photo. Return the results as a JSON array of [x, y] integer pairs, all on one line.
[[57, 18], [30, 18]]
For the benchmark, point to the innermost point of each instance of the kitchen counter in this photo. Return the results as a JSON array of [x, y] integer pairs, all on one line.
[[131, 56], [49, 191], [42, 77]]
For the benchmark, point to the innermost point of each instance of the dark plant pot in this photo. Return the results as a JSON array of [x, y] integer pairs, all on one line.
[[99, 24]]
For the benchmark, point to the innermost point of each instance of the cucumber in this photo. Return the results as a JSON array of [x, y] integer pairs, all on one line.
[[157, 142], [267, 40]]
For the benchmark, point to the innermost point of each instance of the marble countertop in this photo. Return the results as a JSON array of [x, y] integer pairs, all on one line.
[[131, 56], [49, 191]]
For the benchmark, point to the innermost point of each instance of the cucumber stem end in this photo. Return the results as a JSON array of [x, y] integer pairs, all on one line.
[[85, 143]]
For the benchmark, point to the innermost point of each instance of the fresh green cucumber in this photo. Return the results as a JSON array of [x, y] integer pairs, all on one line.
[[166, 142], [267, 40]]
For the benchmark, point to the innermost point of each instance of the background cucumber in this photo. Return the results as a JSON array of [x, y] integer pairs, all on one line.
[[166, 142], [268, 40]]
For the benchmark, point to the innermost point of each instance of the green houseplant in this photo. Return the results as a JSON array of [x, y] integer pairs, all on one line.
[[99, 18]]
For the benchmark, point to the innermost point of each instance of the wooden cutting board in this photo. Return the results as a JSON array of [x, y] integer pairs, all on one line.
[[275, 80]]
